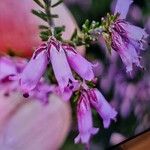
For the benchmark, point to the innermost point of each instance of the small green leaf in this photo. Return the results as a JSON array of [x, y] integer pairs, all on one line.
[[43, 27], [91, 84], [74, 34], [45, 35], [58, 32], [39, 3], [57, 3], [40, 14], [76, 96], [54, 16]]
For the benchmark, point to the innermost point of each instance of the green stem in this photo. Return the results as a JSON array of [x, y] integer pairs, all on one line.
[[48, 12]]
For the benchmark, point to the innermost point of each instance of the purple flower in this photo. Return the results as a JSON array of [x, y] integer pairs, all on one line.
[[126, 51], [68, 91], [42, 91], [104, 109], [34, 70], [122, 7], [10, 67], [7, 67], [79, 64], [61, 58], [60, 65], [127, 39], [85, 124]]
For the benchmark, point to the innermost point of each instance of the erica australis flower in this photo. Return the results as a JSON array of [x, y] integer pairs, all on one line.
[[79, 64], [92, 98], [85, 124], [34, 70], [104, 109], [61, 58], [124, 38], [9, 67], [122, 7], [60, 65]]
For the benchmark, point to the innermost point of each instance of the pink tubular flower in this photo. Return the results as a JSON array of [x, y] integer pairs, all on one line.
[[34, 70], [61, 59], [127, 39], [98, 101], [126, 51], [85, 124], [79, 64], [9, 68], [122, 7], [60, 65]]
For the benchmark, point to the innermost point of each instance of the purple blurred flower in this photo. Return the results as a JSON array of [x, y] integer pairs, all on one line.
[[10, 67], [126, 39], [7, 67], [85, 124], [122, 7], [135, 14], [104, 109], [147, 25], [116, 138]]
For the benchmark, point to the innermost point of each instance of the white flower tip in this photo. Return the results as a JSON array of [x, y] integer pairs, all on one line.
[[94, 130], [77, 139], [106, 123], [114, 114]]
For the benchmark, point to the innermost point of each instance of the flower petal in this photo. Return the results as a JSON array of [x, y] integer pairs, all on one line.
[[122, 7], [102, 107], [119, 45], [85, 123], [133, 32], [33, 71], [80, 65], [61, 67]]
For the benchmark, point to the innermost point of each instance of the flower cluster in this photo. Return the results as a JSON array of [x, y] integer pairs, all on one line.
[[73, 73], [9, 69], [28, 80], [126, 39], [62, 59], [92, 98]]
